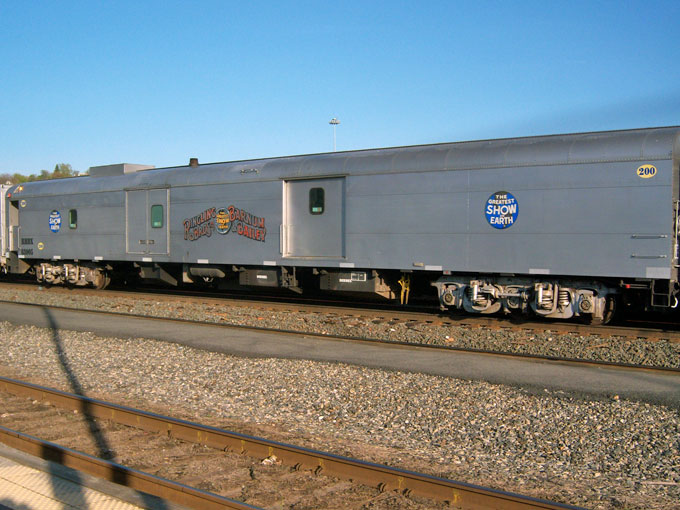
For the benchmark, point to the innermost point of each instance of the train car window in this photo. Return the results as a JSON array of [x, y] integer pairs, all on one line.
[[156, 216], [72, 218], [316, 201]]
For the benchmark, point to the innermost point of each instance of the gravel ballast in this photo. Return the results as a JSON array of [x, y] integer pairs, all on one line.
[[660, 353], [598, 454]]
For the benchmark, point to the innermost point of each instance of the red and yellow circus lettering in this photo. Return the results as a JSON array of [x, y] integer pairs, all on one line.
[[200, 225], [246, 224], [225, 220]]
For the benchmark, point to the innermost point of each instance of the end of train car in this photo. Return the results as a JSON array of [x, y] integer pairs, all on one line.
[[4, 247]]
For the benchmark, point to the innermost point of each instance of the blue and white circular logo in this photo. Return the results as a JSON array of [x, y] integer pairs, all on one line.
[[501, 210], [55, 221]]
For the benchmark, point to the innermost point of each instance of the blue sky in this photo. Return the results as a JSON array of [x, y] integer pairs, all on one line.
[[156, 82]]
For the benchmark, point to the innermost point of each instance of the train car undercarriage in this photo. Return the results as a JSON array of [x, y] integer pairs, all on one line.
[[558, 298]]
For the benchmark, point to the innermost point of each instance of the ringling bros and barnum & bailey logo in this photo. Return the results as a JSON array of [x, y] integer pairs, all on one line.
[[225, 220]]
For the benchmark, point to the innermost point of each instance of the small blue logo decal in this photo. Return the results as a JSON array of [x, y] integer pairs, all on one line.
[[223, 221], [501, 210], [55, 221]]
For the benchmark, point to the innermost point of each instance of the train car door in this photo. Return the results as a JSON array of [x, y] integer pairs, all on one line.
[[314, 218], [146, 221]]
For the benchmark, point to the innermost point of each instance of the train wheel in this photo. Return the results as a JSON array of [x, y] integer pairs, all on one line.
[[101, 280], [607, 316]]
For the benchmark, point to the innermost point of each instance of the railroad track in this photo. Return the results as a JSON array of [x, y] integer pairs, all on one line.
[[116, 473], [385, 478], [635, 329], [374, 341]]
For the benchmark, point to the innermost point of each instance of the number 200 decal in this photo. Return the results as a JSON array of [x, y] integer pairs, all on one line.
[[646, 171]]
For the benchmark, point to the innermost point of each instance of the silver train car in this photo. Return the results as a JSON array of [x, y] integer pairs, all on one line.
[[556, 226]]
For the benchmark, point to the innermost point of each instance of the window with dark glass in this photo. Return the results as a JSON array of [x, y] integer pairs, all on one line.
[[156, 216], [316, 200], [72, 218]]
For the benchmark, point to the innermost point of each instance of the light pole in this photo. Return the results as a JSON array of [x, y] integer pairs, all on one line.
[[334, 122]]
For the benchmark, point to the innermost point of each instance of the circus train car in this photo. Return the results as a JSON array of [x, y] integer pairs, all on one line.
[[556, 226]]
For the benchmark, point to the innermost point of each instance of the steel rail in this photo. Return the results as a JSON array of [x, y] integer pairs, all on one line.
[[431, 315], [119, 474], [401, 344], [386, 312], [458, 494]]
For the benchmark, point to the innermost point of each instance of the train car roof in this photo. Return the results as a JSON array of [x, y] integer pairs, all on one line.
[[648, 144]]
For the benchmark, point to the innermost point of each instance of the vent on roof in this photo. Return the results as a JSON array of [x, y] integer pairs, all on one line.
[[119, 169]]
